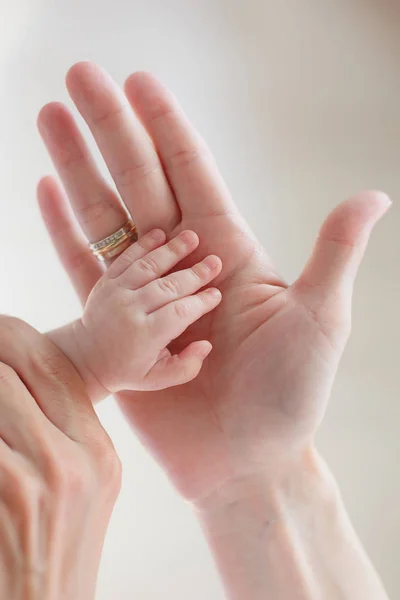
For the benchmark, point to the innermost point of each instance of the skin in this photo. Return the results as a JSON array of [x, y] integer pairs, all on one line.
[[244, 428], [59, 473], [133, 314]]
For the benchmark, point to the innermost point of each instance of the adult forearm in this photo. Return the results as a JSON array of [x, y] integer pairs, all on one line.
[[287, 536]]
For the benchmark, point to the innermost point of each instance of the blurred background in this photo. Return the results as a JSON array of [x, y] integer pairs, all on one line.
[[299, 102]]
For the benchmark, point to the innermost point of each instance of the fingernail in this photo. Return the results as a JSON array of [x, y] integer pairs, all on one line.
[[214, 292], [188, 237], [211, 262], [157, 234], [205, 351]]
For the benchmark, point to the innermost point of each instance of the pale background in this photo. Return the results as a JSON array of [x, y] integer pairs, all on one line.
[[299, 101]]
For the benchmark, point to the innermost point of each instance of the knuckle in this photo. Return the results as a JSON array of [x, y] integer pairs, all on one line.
[[106, 465], [148, 266], [182, 309], [186, 156], [161, 111], [68, 476], [109, 466], [126, 259], [101, 450], [204, 299], [169, 285], [110, 118], [72, 160], [65, 470], [134, 173]]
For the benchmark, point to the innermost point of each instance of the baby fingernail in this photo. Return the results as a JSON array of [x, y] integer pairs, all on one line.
[[214, 292], [188, 237], [205, 351], [157, 234], [211, 262]]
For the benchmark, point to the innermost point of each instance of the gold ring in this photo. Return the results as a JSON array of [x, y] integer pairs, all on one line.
[[115, 244]]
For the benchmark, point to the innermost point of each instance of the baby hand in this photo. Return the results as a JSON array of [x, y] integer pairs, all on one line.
[[135, 311]]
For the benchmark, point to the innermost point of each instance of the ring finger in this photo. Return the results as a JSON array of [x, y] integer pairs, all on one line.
[[97, 207]]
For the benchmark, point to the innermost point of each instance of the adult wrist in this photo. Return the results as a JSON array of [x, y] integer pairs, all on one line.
[[298, 476], [273, 495], [286, 535]]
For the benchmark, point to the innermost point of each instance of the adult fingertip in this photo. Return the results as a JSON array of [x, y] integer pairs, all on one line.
[[377, 201]]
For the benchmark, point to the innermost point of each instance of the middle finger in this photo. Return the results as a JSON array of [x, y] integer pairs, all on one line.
[[127, 150]]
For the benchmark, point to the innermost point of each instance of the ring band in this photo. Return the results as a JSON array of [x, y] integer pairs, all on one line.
[[115, 244]]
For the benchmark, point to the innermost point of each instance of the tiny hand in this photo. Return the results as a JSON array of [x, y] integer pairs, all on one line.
[[133, 313]]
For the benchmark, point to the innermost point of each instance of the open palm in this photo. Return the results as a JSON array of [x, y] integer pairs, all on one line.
[[275, 348]]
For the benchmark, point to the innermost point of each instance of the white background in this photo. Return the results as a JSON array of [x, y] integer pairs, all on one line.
[[299, 101]]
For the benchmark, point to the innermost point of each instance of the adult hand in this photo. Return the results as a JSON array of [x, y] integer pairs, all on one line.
[[59, 474], [263, 391]]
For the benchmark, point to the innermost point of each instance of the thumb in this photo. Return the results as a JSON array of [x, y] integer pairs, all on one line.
[[341, 243], [179, 368]]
